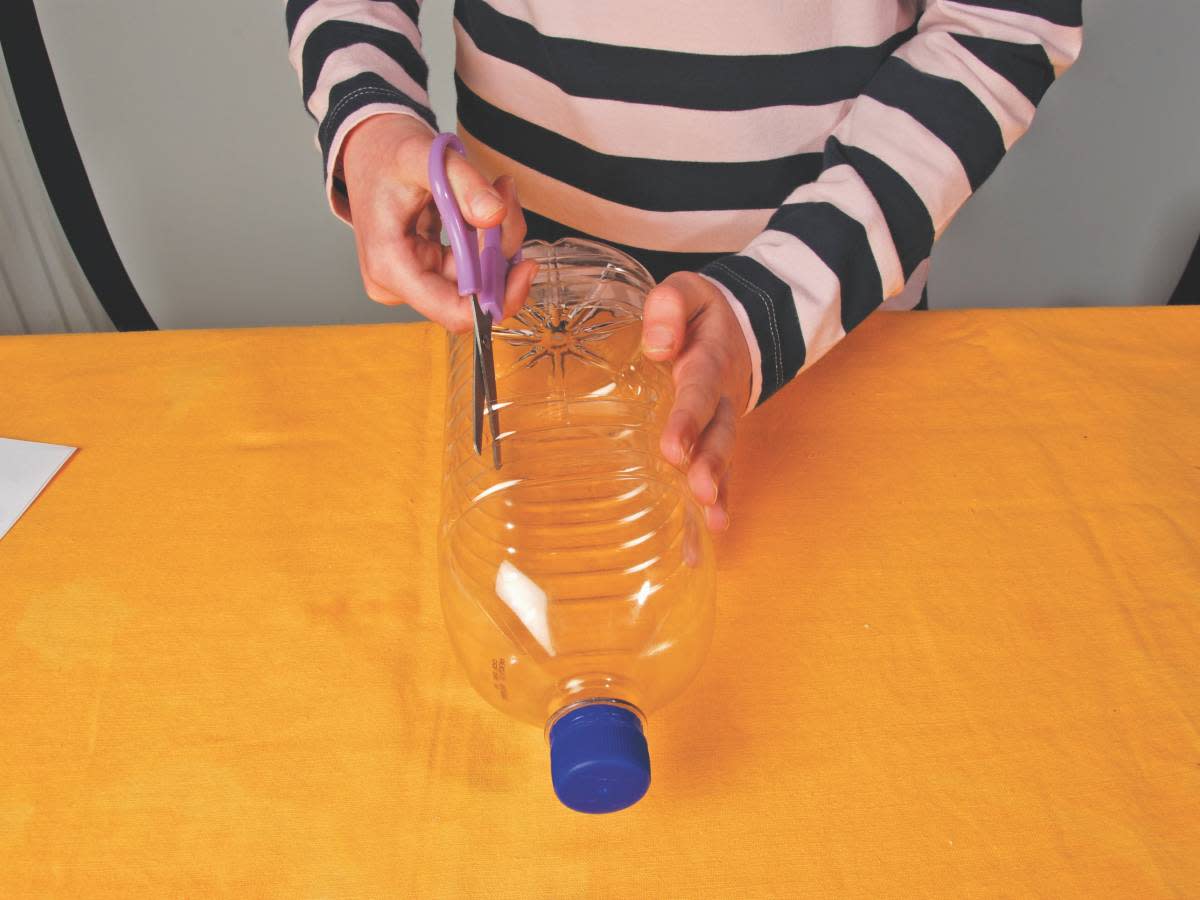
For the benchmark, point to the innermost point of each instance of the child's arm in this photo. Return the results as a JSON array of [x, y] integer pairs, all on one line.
[[356, 59], [922, 136], [364, 81]]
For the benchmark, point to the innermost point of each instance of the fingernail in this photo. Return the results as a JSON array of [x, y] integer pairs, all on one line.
[[486, 204], [658, 339]]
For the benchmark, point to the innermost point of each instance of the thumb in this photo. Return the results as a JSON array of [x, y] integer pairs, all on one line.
[[480, 202], [664, 320]]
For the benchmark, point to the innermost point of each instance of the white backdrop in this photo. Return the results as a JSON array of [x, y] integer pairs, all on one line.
[[42, 288], [189, 120]]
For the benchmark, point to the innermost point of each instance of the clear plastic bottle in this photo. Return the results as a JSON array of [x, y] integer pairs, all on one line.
[[577, 580]]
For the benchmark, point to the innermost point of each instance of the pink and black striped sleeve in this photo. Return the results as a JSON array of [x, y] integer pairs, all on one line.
[[356, 59], [926, 131]]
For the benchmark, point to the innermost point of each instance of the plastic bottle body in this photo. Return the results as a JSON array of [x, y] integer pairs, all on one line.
[[580, 571]]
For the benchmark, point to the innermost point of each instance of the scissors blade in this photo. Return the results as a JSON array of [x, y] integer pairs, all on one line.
[[479, 398], [488, 371], [485, 382]]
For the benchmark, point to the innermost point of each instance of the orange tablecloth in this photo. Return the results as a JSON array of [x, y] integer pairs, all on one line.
[[957, 652]]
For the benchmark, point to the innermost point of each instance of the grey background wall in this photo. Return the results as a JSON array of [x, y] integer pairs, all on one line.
[[202, 159]]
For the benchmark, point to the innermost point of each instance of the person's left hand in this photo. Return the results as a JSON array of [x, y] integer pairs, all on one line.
[[687, 321]]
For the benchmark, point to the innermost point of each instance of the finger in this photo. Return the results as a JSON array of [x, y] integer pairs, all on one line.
[[516, 289], [716, 517], [393, 262], [481, 204], [512, 230], [697, 391], [710, 460], [410, 270], [664, 322], [438, 300]]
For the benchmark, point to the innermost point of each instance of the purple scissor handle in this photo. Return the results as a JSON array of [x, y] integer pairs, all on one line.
[[481, 272], [481, 276]]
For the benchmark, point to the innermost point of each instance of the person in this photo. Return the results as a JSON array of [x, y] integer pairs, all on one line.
[[781, 168]]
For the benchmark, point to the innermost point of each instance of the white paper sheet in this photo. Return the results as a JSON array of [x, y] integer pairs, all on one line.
[[26, 468]]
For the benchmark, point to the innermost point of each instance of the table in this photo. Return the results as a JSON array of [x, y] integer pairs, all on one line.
[[957, 649]]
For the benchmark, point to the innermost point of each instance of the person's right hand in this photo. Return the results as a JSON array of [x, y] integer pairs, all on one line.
[[385, 161]]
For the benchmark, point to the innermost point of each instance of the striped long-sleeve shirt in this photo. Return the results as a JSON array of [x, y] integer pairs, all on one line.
[[802, 155]]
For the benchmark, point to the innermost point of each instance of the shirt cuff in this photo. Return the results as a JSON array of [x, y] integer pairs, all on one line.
[[743, 320]]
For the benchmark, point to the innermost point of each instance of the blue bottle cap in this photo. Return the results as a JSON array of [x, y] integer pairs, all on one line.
[[599, 761]]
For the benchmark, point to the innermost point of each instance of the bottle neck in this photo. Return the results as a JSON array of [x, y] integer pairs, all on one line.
[[591, 701]]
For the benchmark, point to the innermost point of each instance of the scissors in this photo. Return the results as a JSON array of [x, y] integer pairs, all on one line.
[[481, 275]]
